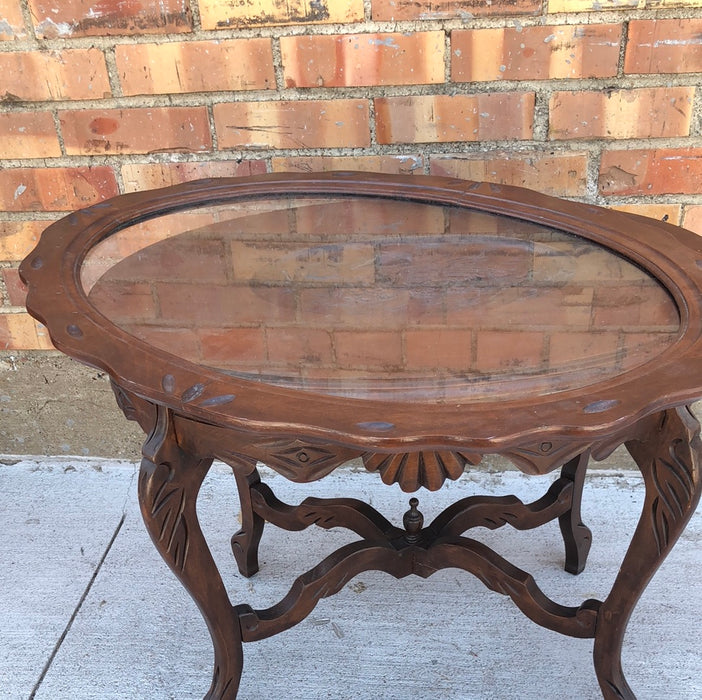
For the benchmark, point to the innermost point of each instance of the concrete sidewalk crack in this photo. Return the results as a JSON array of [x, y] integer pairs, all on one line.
[[67, 629], [128, 494]]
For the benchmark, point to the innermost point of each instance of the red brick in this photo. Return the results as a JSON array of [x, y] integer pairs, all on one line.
[[664, 46], [535, 53], [55, 189], [279, 263], [11, 20], [427, 306], [578, 263], [93, 269], [18, 238], [299, 346], [342, 382], [608, 5], [621, 114], [404, 164], [576, 348], [368, 349], [508, 350], [634, 307], [136, 130], [220, 14], [290, 124], [187, 259], [124, 301], [28, 135], [191, 256], [358, 217], [71, 18], [206, 305], [195, 66], [595, 5], [16, 289], [693, 219], [246, 346], [349, 308], [661, 212], [21, 332], [442, 118], [438, 349], [463, 221], [392, 10], [562, 174], [363, 59], [145, 176], [256, 219], [523, 308], [462, 263], [70, 74], [182, 342], [650, 172], [637, 348]]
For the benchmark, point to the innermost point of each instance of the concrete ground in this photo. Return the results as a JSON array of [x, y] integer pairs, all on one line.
[[90, 610]]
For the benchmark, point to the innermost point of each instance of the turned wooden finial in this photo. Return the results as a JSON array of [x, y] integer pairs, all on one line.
[[413, 521]]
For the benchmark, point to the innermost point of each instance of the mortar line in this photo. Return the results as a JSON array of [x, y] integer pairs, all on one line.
[[67, 629]]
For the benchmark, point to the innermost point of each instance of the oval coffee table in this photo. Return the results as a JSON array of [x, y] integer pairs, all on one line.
[[414, 323]]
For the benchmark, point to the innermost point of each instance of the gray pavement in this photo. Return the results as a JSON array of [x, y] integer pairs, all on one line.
[[90, 611]]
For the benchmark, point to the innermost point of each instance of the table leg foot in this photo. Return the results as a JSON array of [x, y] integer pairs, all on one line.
[[577, 537], [245, 542], [668, 455], [169, 483]]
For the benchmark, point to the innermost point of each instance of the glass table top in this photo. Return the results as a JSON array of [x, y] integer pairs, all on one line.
[[371, 297]]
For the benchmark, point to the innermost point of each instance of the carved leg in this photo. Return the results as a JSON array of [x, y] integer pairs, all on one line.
[[245, 542], [668, 455], [169, 483], [576, 536]]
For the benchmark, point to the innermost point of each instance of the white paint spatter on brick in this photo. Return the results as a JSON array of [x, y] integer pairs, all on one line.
[[692, 41], [96, 14], [49, 29], [387, 41], [414, 161], [21, 189]]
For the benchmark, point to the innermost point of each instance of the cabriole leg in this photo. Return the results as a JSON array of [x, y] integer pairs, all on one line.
[[245, 542], [668, 455], [169, 483], [576, 536]]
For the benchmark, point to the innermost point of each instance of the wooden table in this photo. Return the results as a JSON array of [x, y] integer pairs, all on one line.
[[413, 323]]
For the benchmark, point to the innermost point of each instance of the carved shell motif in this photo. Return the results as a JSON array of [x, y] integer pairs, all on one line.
[[414, 469]]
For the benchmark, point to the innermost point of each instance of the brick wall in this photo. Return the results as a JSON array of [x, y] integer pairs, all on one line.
[[596, 100]]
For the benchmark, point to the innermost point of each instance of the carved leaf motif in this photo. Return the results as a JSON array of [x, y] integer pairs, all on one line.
[[414, 469], [673, 481], [124, 402], [165, 503]]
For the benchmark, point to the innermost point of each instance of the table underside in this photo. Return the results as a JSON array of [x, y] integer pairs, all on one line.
[[178, 454]]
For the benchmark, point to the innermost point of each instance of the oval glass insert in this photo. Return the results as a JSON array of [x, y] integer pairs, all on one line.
[[378, 298]]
